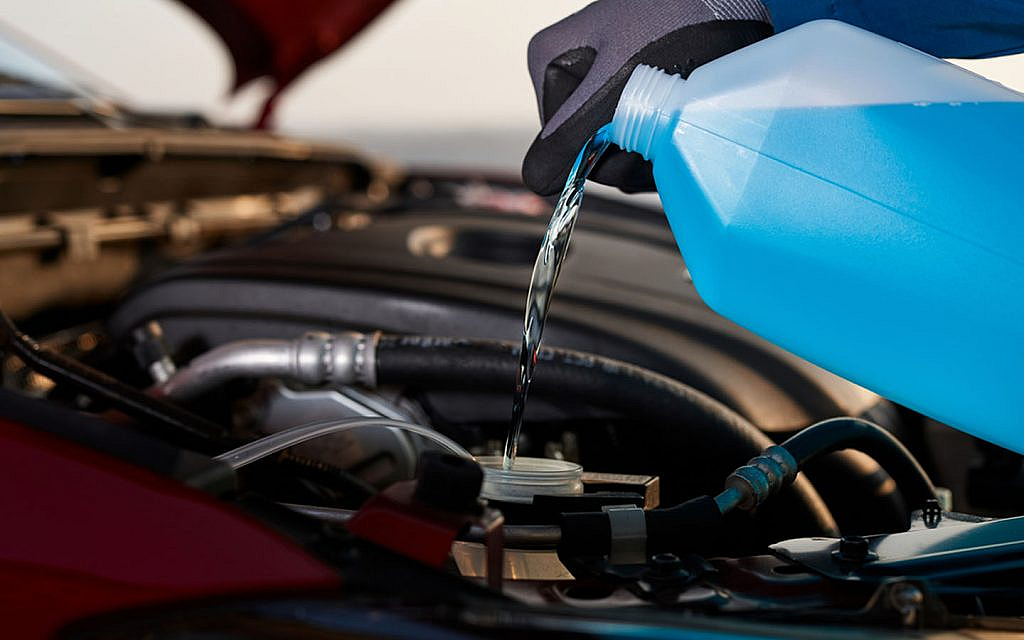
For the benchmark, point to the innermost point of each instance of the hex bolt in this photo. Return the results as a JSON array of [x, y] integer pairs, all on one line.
[[665, 564], [667, 570], [854, 548], [853, 551]]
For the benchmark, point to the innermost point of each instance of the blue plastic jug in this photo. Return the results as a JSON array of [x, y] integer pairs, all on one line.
[[856, 202]]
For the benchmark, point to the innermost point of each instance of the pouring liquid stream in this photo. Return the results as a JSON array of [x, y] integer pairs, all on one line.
[[553, 249]]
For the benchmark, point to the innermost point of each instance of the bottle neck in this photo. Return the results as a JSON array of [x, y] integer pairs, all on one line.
[[646, 109]]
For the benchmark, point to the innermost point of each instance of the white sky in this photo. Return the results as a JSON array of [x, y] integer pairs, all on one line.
[[458, 62], [433, 81]]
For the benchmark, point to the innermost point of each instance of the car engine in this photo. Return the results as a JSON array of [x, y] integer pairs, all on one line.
[[345, 362]]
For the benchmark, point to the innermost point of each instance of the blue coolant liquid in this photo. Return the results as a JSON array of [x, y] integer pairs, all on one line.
[[884, 243]]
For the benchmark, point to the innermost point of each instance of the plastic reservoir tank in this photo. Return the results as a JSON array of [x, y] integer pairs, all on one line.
[[857, 202], [529, 477]]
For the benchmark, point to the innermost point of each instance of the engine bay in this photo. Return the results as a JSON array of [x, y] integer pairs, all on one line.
[[349, 365]]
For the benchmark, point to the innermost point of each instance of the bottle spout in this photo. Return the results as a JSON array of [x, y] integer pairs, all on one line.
[[645, 109]]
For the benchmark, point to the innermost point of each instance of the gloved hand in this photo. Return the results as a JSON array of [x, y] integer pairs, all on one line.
[[580, 65]]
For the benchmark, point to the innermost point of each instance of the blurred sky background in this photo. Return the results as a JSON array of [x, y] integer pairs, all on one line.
[[431, 82]]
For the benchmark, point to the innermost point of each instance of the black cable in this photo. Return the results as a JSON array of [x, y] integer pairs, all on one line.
[[855, 433], [699, 440], [161, 419]]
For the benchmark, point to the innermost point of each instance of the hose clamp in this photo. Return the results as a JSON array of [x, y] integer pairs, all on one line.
[[629, 534], [364, 359], [353, 358]]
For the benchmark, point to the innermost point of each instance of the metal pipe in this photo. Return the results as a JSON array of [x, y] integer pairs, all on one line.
[[524, 536], [269, 445], [728, 500], [315, 358]]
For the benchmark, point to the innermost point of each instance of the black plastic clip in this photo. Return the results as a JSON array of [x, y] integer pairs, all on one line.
[[931, 513]]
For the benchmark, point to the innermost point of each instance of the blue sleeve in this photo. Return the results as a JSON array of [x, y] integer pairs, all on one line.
[[943, 28]]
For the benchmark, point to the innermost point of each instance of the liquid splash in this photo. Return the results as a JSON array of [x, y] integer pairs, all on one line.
[[545, 273]]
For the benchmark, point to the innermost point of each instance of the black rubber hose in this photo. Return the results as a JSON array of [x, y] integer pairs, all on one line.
[[855, 433], [695, 526], [160, 419], [871, 501], [697, 440]]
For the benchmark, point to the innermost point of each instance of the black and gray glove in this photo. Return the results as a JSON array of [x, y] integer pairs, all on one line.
[[580, 65]]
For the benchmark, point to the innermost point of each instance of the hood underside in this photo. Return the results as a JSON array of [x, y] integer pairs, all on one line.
[[280, 40]]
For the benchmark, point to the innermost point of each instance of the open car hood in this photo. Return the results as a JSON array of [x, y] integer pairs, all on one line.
[[280, 40]]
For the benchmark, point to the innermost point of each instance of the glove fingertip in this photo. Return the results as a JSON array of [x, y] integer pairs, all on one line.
[[544, 172], [541, 183]]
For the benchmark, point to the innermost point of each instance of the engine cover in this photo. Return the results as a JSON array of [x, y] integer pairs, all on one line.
[[435, 266]]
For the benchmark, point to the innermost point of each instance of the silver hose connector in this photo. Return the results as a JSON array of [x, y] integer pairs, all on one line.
[[761, 478], [315, 358], [341, 358]]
